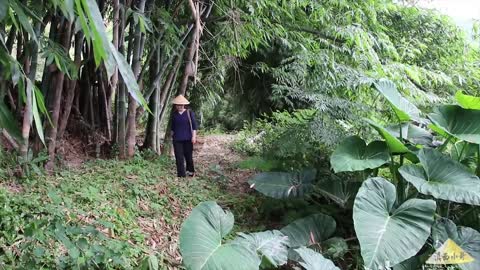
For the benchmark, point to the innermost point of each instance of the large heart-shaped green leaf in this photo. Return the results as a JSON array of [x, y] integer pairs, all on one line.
[[411, 133], [462, 150], [353, 154], [387, 234], [465, 153], [410, 264], [458, 122], [201, 241], [466, 238], [341, 192], [272, 245], [404, 109], [310, 230], [467, 101], [443, 178], [150, 263], [283, 185], [439, 131], [311, 260], [335, 247], [394, 144]]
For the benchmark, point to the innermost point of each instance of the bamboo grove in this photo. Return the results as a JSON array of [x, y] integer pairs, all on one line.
[[93, 81], [105, 70]]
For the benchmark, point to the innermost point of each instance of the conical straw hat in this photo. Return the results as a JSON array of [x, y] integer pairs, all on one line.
[[180, 100]]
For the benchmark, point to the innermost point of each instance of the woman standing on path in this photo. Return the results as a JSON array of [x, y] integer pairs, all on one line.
[[184, 134]]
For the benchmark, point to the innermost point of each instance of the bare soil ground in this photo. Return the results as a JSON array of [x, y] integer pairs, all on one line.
[[215, 158]]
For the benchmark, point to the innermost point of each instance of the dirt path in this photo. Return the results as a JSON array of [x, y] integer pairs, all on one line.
[[215, 158]]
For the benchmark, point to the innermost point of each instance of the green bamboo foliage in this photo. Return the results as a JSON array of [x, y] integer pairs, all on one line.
[[287, 54]]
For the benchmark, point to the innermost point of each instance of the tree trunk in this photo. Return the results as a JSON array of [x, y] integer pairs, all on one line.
[[39, 28], [121, 110], [114, 80], [27, 114], [47, 70], [34, 52], [151, 130], [71, 86], [11, 39], [166, 93], [179, 50], [104, 100], [168, 87], [132, 104], [188, 71], [57, 96], [20, 49]]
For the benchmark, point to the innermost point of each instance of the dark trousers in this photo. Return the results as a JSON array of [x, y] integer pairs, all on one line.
[[183, 152]]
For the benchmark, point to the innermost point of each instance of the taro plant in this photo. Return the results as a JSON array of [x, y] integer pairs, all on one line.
[[203, 245], [429, 165], [417, 188], [393, 218]]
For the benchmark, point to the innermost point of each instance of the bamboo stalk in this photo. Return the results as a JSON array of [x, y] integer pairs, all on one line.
[[57, 98], [132, 104], [71, 86]]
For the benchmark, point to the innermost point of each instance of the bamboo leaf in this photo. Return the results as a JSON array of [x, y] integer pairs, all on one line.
[[83, 21], [100, 41], [22, 17], [99, 52], [129, 78], [69, 9], [41, 103], [36, 115], [12, 17], [144, 22]]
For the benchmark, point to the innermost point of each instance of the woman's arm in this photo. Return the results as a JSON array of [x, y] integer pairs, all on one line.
[[172, 128], [194, 136], [194, 127]]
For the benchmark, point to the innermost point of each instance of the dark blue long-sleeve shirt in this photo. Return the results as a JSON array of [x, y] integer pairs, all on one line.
[[181, 126]]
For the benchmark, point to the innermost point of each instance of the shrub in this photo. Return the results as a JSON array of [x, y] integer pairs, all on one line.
[[286, 138]]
